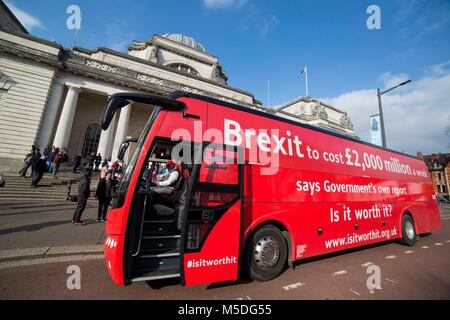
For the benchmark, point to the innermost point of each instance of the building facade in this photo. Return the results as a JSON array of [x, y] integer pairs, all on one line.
[[439, 167], [311, 111], [51, 95]]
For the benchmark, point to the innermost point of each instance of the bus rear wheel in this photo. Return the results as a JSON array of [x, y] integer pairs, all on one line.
[[266, 254], [408, 231]]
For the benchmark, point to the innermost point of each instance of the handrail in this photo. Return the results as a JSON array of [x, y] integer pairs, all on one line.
[[142, 226], [120, 100]]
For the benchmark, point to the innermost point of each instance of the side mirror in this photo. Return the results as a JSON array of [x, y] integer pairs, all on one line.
[[124, 146], [122, 149], [113, 104]]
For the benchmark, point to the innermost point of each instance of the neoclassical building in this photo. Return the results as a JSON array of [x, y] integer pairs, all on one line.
[[51, 95], [311, 111]]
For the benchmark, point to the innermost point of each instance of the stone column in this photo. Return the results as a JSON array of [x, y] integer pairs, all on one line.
[[122, 129], [106, 140], [66, 119], [49, 120]]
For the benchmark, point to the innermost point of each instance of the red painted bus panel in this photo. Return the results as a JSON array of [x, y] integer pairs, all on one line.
[[218, 259]]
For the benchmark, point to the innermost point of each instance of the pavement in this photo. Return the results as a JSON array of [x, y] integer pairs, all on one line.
[[43, 229]]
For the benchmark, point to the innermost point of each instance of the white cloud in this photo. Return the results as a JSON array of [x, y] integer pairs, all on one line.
[[268, 24], [416, 116], [27, 20], [389, 80], [219, 4], [439, 69]]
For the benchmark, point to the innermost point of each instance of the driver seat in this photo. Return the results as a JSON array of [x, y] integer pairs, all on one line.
[[178, 196]]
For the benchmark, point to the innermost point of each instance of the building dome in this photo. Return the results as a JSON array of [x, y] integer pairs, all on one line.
[[185, 40]]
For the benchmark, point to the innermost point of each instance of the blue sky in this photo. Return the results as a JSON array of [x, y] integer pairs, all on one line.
[[261, 40]]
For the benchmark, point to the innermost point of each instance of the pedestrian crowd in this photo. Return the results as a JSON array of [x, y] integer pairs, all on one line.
[[106, 187], [50, 161]]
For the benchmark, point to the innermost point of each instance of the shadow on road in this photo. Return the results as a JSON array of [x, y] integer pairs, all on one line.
[[218, 285], [159, 284], [44, 210], [34, 227], [90, 221]]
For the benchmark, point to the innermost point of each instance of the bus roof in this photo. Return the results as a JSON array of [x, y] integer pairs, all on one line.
[[178, 94]]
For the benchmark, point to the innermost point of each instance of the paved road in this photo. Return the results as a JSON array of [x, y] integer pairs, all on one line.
[[42, 224], [420, 272]]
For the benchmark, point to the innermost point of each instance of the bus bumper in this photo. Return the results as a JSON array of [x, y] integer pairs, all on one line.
[[113, 248]]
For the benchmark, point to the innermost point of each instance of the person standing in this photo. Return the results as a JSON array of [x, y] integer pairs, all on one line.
[[105, 163], [84, 191], [50, 158], [39, 167], [104, 171], [104, 194], [57, 162], [97, 162], [89, 165], [76, 162], [27, 163], [47, 151], [64, 157], [36, 157]]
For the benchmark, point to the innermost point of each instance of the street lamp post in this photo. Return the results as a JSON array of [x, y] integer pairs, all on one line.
[[380, 108]]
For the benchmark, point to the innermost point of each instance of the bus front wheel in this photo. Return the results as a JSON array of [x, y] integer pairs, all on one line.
[[408, 231], [266, 254]]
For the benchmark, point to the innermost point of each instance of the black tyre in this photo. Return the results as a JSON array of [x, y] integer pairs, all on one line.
[[266, 254], [408, 231]]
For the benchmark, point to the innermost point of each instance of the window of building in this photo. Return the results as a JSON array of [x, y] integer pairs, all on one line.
[[91, 139], [439, 176]]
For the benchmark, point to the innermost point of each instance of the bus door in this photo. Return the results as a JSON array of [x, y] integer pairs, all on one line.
[[212, 218]]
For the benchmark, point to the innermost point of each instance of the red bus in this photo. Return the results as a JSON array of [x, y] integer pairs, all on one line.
[[253, 193]]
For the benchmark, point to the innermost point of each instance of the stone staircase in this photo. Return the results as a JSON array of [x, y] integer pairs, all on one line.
[[49, 188]]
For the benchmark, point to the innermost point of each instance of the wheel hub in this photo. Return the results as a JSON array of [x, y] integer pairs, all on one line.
[[409, 229], [266, 252]]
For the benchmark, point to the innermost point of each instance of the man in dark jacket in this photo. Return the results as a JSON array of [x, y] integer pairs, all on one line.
[[84, 190], [97, 162], [104, 194], [76, 162], [39, 167], [34, 159], [26, 164], [28, 161]]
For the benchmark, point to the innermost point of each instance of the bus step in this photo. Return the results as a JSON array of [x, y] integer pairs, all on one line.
[[157, 275], [160, 243], [161, 227], [166, 254], [161, 221], [153, 262]]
